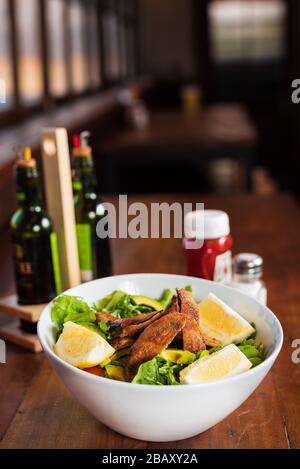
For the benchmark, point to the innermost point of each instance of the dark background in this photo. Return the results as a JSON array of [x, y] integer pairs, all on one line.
[[244, 52]]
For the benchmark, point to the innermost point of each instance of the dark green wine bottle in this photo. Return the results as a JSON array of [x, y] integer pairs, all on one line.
[[35, 246], [94, 253]]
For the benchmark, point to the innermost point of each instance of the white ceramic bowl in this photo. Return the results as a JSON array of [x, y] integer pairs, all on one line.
[[164, 413]]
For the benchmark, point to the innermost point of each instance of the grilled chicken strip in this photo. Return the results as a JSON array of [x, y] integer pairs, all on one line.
[[153, 340], [133, 330], [173, 306], [129, 327], [191, 333], [124, 322], [121, 342]]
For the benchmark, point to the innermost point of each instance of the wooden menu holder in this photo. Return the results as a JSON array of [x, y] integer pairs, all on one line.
[[60, 204], [60, 207]]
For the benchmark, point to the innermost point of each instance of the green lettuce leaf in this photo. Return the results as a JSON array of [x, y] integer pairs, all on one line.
[[104, 330], [158, 372], [72, 308], [120, 305]]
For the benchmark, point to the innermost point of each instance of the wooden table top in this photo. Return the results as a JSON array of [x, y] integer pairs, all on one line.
[[216, 125], [38, 412]]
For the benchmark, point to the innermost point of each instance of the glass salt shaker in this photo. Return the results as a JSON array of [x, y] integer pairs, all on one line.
[[247, 276]]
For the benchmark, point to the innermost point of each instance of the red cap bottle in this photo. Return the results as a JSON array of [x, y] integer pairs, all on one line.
[[211, 261]]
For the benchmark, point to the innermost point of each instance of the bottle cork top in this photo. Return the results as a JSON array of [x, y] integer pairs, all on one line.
[[81, 145], [25, 158]]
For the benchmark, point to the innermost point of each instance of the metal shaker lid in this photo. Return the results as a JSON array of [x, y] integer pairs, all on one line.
[[247, 263]]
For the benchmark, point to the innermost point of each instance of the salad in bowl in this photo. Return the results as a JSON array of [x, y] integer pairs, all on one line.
[[159, 357], [167, 341]]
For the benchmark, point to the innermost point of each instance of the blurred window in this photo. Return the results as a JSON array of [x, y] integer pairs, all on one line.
[[110, 29], [131, 51], [78, 44], [93, 45], [123, 48], [57, 53], [247, 29], [30, 71], [6, 75], [85, 42]]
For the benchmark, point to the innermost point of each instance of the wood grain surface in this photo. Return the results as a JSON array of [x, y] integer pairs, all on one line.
[[36, 411], [215, 125]]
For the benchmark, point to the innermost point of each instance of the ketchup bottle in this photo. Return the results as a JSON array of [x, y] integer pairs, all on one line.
[[211, 261]]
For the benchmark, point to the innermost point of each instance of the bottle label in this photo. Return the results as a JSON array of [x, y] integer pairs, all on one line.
[[34, 269], [55, 261], [84, 241], [24, 268], [223, 268]]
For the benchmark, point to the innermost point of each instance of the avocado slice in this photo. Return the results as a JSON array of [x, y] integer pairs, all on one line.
[[145, 300], [181, 357], [115, 372]]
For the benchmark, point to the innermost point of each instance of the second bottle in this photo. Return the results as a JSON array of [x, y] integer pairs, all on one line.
[[94, 253]]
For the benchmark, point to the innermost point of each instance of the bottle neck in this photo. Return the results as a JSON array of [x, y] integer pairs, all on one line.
[[28, 188], [83, 176]]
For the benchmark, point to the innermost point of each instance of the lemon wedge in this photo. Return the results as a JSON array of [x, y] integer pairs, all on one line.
[[82, 347], [226, 362], [219, 321]]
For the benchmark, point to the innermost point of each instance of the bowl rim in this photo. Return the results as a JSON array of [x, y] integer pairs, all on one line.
[[267, 363]]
